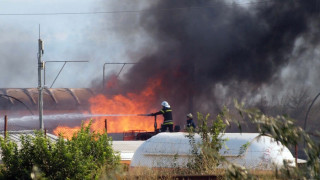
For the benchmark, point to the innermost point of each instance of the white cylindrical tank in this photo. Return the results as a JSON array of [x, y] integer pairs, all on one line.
[[174, 150]]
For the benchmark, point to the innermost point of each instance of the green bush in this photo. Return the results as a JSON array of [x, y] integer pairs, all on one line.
[[283, 130], [206, 156], [85, 156]]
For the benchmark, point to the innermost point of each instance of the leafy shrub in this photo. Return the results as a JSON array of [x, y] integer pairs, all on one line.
[[206, 156], [283, 129], [85, 156]]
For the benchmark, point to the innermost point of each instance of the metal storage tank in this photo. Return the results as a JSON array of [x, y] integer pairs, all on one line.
[[173, 149]]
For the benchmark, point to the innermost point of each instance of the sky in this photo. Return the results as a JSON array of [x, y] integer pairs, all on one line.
[[86, 37]]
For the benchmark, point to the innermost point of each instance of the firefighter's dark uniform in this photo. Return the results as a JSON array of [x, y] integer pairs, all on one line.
[[168, 122], [190, 123]]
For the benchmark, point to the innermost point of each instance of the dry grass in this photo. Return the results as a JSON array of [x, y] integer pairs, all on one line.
[[263, 174], [147, 173], [144, 173]]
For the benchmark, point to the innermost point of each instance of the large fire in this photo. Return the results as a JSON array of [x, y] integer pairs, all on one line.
[[130, 103]]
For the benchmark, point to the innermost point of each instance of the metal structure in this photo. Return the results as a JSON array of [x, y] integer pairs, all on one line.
[[5, 126], [172, 150], [54, 98], [65, 62], [40, 88], [103, 73], [307, 114], [141, 134], [7, 96], [41, 66]]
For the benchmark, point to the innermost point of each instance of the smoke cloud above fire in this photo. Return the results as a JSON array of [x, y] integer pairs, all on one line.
[[203, 53], [208, 52]]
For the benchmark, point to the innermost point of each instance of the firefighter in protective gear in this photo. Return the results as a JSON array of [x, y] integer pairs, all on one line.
[[167, 115], [190, 122]]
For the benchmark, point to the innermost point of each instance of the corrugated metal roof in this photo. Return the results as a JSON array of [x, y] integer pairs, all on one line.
[[54, 98], [15, 135]]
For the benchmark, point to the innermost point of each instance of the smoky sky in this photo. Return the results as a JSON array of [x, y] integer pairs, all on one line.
[[201, 43], [203, 51]]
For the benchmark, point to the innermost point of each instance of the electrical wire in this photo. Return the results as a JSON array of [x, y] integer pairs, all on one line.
[[126, 11]]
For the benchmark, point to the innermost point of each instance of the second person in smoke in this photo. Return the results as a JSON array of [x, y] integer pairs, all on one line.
[[190, 122], [167, 115]]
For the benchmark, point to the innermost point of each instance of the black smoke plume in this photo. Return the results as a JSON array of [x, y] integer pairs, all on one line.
[[202, 43]]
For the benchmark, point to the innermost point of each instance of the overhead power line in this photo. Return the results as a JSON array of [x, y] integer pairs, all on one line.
[[125, 11]]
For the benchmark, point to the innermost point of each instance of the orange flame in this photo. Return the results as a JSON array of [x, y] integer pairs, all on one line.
[[113, 81], [131, 103]]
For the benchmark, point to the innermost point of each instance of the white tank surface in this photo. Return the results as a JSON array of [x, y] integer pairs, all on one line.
[[174, 150]]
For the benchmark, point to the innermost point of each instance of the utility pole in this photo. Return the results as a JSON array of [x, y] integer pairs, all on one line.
[[40, 88]]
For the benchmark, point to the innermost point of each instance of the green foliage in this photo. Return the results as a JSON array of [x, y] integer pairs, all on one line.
[[85, 156], [206, 156], [283, 130], [243, 148], [237, 172]]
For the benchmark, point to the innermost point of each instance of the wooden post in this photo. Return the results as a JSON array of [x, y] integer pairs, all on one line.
[[106, 125], [45, 132], [155, 123], [296, 154], [5, 125]]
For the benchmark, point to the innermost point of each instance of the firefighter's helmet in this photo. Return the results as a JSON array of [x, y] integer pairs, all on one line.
[[189, 115], [165, 104]]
